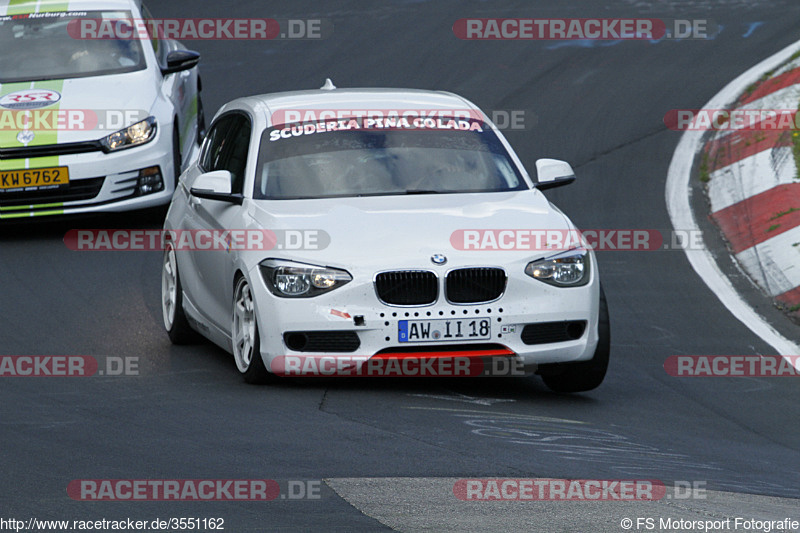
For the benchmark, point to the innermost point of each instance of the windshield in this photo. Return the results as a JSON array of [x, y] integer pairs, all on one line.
[[42, 47], [350, 158]]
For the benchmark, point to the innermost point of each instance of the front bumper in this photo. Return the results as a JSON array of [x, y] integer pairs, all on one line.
[[355, 309], [99, 182]]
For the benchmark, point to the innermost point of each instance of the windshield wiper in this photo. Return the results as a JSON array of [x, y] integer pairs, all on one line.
[[422, 191]]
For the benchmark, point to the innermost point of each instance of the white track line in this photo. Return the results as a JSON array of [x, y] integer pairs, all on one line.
[[677, 196]]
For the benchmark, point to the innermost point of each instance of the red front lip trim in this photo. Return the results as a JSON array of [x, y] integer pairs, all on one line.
[[496, 352]]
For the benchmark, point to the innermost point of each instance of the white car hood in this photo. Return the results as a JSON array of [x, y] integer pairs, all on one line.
[[405, 231], [118, 93]]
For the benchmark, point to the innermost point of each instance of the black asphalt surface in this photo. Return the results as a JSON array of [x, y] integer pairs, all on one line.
[[189, 415]]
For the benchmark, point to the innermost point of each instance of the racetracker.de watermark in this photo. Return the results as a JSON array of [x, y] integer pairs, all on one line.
[[189, 29], [732, 120], [71, 366], [762, 366], [398, 366], [553, 240], [196, 240], [558, 490], [372, 118], [192, 490], [547, 489], [39, 120], [603, 29]]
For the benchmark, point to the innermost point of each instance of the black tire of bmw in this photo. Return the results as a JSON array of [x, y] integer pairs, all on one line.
[[181, 332], [584, 375], [256, 373]]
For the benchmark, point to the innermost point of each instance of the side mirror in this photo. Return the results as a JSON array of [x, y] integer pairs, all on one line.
[[553, 173], [215, 185], [179, 60]]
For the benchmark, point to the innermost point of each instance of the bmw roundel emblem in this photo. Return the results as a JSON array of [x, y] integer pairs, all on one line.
[[438, 259]]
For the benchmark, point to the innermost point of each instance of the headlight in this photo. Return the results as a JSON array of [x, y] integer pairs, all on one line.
[[568, 269], [297, 280], [140, 133]]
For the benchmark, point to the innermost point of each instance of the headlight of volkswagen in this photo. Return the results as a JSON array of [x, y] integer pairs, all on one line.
[[140, 133], [568, 269], [298, 280]]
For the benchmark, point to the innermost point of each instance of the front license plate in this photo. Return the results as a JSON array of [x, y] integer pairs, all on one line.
[[33, 179], [446, 329]]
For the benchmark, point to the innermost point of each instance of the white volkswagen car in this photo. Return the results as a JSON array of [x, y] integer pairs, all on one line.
[[91, 122], [349, 236]]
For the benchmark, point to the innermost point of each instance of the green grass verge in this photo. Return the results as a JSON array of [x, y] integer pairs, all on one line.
[[704, 174], [783, 213]]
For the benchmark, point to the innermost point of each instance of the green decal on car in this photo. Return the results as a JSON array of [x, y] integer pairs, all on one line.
[[21, 7], [9, 130], [35, 214], [28, 207], [190, 116]]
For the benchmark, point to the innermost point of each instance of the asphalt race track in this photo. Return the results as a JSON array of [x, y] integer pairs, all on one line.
[[188, 415]]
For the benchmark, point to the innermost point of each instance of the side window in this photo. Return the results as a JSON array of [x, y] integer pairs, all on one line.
[[226, 148], [212, 145]]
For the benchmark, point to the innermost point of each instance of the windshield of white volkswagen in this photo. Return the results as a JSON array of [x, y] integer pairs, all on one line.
[[50, 46], [340, 158]]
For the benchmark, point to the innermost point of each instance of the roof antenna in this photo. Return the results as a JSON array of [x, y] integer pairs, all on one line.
[[329, 86]]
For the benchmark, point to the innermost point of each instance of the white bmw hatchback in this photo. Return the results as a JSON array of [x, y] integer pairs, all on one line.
[[91, 122], [374, 223]]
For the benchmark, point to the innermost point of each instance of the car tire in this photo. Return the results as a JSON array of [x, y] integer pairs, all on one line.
[[175, 321], [245, 336], [583, 375]]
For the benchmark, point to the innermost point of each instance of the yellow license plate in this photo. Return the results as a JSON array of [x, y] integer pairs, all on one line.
[[34, 178]]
